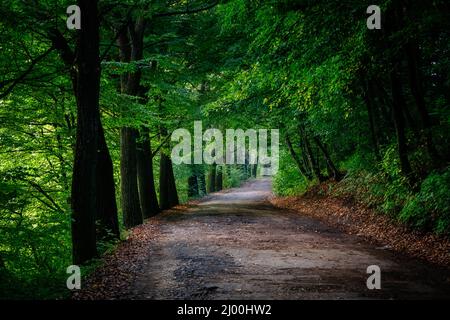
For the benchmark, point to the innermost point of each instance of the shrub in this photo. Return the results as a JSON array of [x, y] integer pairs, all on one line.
[[288, 180], [430, 207]]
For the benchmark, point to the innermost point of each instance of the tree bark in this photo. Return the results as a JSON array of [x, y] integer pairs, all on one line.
[[330, 164], [168, 196], [90, 200], [146, 182], [412, 53], [202, 181], [254, 170], [192, 186], [107, 218], [173, 194], [212, 179], [296, 158], [368, 98], [193, 183], [385, 109], [219, 178], [305, 160], [132, 215], [131, 49], [85, 177], [397, 110], [163, 182], [310, 156]]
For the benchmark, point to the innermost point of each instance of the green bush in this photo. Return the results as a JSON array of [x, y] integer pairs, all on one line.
[[233, 176], [35, 243], [430, 207], [288, 180], [388, 192]]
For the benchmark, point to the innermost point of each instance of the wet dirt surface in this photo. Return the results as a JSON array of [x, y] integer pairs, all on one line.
[[236, 245]]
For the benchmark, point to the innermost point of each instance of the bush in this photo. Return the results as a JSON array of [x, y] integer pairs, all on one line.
[[233, 176], [288, 180], [430, 208]]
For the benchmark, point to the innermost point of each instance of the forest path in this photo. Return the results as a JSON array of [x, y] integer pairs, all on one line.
[[236, 245]]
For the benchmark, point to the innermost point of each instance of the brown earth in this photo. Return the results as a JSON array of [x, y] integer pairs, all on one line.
[[346, 214], [237, 245]]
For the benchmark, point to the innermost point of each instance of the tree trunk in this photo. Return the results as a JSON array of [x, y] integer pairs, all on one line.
[[311, 159], [132, 215], [254, 170], [412, 53], [219, 178], [330, 164], [297, 159], [201, 181], [107, 218], [163, 182], [2, 265], [173, 194], [130, 51], [212, 179], [168, 196], [368, 98], [146, 182], [193, 182], [397, 110], [305, 160], [84, 180], [385, 109], [192, 186]]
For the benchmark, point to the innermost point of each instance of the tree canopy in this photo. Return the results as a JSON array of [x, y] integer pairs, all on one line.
[[86, 115]]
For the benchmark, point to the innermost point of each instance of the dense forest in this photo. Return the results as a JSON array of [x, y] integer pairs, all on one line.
[[86, 115]]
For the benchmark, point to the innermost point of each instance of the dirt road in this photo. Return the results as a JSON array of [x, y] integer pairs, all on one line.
[[235, 245]]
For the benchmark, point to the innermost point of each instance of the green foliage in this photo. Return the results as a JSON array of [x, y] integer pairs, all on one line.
[[426, 210], [288, 181], [429, 209], [34, 243], [309, 64], [308, 68], [233, 176], [182, 172]]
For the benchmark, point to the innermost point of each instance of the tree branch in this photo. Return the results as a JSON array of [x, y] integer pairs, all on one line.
[[18, 80], [165, 140], [55, 206], [60, 44], [188, 11]]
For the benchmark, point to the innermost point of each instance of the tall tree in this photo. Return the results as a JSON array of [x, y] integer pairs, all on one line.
[[131, 50], [147, 191], [212, 178], [85, 170], [168, 195]]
